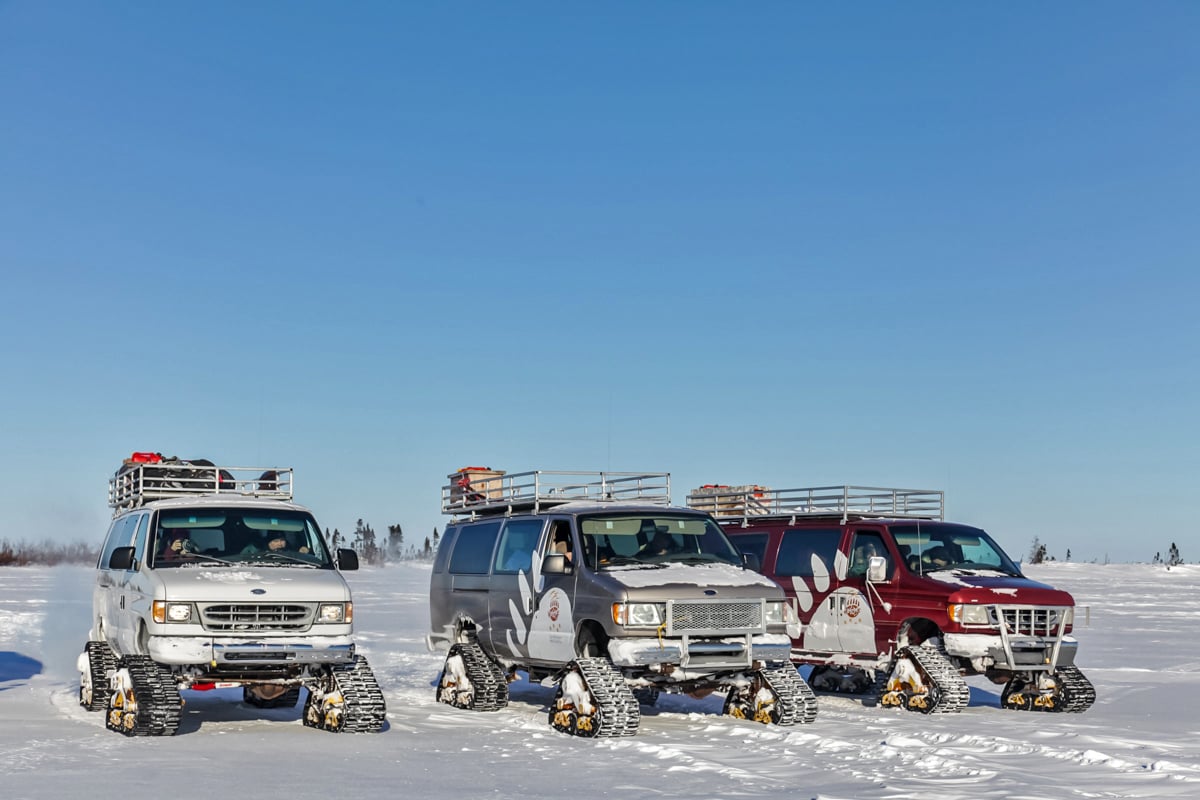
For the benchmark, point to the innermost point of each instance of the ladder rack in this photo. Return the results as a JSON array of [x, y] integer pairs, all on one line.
[[136, 484], [474, 491], [744, 502]]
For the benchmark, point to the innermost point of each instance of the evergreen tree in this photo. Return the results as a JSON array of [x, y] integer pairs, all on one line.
[[435, 538], [428, 550], [1157, 558], [1068, 554], [364, 543], [1037, 553], [395, 541], [1173, 559]]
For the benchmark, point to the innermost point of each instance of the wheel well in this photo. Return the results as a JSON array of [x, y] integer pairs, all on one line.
[[916, 630], [595, 630]]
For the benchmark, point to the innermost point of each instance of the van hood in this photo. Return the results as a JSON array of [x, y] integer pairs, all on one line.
[[696, 580], [986, 586], [253, 584]]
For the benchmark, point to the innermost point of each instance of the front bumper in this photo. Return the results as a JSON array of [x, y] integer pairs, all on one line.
[[727, 652], [240, 652], [991, 651]]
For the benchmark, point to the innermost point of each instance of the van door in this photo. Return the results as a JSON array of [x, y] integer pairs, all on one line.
[[515, 581], [105, 586], [552, 627], [469, 565], [805, 567], [863, 619], [131, 584], [113, 585]]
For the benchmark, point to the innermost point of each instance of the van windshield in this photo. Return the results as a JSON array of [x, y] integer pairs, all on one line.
[[215, 536], [615, 540], [930, 547]]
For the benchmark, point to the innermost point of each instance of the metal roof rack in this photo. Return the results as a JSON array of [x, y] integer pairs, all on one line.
[[136, 484], [481, 491], [744, 502]]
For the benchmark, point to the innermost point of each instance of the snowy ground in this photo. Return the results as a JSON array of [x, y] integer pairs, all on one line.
[[1141, 739]]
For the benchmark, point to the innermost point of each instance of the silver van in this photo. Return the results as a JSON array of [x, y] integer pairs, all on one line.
[[593, 582], [211, 577]]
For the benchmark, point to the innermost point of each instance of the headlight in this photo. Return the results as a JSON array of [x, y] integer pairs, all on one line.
[[638, 615], [336, 612], [172, 612], [777, 612], [969, 614]]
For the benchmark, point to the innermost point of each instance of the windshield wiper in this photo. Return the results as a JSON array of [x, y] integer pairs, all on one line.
[[625, 561]]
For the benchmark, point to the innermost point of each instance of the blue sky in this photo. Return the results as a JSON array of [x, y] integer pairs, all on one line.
[[933, 245]]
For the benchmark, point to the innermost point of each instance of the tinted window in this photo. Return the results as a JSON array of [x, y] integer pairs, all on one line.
[[473, 548], [444, 548], [118, 536], [517, 543], [800, 549], [867, 545], [753, 544]]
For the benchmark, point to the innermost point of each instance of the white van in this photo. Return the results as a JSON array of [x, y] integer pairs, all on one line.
[[211, 577]]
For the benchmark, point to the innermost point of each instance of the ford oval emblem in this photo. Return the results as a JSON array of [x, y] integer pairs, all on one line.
[[258, 591], [710, 592]]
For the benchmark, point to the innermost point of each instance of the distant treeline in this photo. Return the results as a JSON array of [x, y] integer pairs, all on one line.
[[20, 554]]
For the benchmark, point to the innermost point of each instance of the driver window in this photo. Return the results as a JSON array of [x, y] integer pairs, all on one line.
[[866, 545]]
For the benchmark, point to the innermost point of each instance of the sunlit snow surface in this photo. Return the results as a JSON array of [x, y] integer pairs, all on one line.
[[1141, 739]]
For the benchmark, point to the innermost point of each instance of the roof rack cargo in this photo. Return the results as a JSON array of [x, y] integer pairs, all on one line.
[[145, 477], [743, 502], [480, 490]]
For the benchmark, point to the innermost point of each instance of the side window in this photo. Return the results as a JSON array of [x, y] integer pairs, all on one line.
[[801, 549], [139, 538], [118, 536], [444, 548], [517, 543], [866, 545], [754, 544], [473, 548]]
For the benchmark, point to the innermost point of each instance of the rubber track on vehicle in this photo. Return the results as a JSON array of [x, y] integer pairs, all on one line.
[[952, 693], [489, 680], [1076, 693], [616, 708], [363, 706], [159, 705], [101, 661], [798, 703]]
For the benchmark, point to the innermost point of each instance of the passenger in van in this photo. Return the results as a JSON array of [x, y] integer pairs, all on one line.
[[274, 543], [863, 553], [936, 558], [662, 543], [562, 544], [178, 544]]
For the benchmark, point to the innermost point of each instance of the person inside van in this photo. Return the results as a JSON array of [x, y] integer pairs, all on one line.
[[561, 543], [662, 543], [862, 558], [178, 544], [936, 558]]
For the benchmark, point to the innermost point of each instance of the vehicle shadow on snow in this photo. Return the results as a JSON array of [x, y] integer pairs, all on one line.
[[17, 667], [522, 691], [224, 706]]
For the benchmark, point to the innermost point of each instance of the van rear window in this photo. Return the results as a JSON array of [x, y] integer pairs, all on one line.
[[803, 550], [473, 548]]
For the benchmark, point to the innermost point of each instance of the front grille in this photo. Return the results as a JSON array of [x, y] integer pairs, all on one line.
[[1025, 621], [714, 618], [256, 617]]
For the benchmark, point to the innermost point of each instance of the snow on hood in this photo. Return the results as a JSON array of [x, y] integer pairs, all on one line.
[[696, 574]]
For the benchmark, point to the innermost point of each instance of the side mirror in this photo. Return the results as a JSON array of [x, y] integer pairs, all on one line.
[[750, 561], [121, 558], [555, 564], [347, 559], [876, 569]]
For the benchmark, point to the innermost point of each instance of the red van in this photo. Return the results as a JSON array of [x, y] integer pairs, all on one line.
[[893, 597]]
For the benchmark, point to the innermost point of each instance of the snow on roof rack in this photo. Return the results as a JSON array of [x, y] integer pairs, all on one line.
[[482, 491], [743, 502], [138, 481]]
